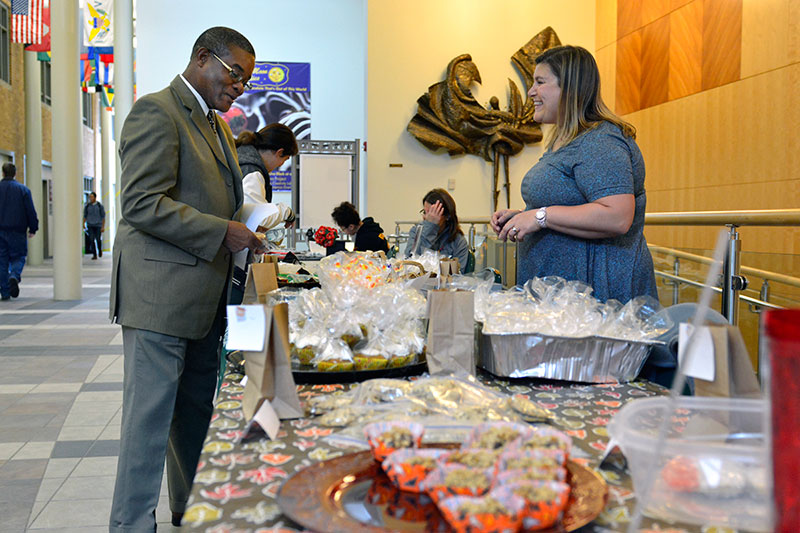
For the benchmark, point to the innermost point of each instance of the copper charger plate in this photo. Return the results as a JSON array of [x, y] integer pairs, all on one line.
[[352, 494]]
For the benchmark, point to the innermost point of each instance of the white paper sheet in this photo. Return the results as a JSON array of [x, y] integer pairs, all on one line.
[[702, 363], [246, 328]]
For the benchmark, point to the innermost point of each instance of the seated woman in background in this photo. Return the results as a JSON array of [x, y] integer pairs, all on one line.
[[368, 234], [439, 230], [585, 198], [260, 153]]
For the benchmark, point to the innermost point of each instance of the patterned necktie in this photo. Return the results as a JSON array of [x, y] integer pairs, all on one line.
[[211, 121]]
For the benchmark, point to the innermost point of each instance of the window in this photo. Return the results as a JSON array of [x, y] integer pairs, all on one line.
[[5, 45], [86, 98], [44, 67]]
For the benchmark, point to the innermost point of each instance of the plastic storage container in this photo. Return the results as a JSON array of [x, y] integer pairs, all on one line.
[[715, 465]]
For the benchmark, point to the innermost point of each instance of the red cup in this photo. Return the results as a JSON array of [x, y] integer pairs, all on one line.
[[781, 338]]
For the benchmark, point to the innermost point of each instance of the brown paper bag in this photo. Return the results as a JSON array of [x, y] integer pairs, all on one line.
[[272, 260], [733, 372], [269, 372], [262, 278], [451, 332]]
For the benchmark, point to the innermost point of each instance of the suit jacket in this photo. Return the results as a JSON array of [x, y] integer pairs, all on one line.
[[179, 190]]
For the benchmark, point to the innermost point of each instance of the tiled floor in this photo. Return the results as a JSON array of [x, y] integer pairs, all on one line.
[[60, 406]]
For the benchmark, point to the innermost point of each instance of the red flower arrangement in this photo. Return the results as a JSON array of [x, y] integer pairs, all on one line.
[[325, 236]]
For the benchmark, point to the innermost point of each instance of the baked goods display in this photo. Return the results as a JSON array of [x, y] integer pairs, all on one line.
[[363, 317], [480, 489], [444, 402]]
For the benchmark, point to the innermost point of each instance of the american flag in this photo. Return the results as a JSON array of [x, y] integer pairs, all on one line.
[[26, 21]]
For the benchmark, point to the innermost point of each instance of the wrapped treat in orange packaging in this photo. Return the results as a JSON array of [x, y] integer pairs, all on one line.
[[457, 480], [524, 459], [501, 513], [472, 458], [546, 437], [558, 473], [544, 501], [386, 437], [408, 468], [496, 435]]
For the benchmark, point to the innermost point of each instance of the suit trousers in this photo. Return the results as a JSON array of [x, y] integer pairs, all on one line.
[[167, 401]]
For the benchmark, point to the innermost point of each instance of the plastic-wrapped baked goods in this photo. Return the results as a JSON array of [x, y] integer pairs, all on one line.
[[338, 417], [322, 404], [528, 409], [488, 514], [456, 480], [547, 438], [531, 459], [407, 468], [558, 473], [386, 437], [496, 435], [335, 356], [544, 501], [477, 458]]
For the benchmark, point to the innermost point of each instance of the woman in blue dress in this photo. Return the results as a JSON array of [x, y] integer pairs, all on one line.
[[585, 198]]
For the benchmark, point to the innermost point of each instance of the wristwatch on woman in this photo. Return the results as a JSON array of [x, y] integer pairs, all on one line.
[[291, 218], [541, 217]]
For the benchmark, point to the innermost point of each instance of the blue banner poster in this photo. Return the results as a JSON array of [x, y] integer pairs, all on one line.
[[281, 93]]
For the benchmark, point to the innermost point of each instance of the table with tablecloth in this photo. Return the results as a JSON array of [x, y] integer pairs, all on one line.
[[237, 481]]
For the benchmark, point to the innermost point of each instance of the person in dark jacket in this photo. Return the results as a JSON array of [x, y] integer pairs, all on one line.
[[18, 222], [368, 234], [94, 218]]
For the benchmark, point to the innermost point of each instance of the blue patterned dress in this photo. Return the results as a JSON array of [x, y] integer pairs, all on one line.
[[600, 162]]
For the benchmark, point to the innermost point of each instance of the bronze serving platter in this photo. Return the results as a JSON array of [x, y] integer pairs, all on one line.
[[352, 494]]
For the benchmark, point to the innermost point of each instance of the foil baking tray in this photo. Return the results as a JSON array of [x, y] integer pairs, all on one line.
[[585, 359]]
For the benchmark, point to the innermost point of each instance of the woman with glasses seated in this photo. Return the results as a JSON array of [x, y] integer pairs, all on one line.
[[439, 230], [261, 152]]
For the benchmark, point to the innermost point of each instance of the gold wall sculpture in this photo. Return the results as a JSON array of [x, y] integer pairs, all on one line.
[[449, 117]]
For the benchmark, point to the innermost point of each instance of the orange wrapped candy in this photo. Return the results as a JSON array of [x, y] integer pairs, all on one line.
[[456, 480], [386, 437], [408, 468], [489, 514], [544, 501]]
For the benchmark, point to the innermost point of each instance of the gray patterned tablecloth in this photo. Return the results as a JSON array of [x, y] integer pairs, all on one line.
[[236, 483]]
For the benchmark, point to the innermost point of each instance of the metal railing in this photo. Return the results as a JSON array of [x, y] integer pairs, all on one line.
[[734, 280]]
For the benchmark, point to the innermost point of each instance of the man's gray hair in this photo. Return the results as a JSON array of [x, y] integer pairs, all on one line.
[[219, 40]]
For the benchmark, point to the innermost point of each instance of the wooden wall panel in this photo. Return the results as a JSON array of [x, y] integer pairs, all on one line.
[[605, 24], [722, 42], [629, 72], [653, 10], [629, 17], [685, 50], [655, 63], [765, 36]]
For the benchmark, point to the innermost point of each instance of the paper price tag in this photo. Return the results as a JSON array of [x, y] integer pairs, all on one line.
[[246, 328], [268, 419], [701, 365]]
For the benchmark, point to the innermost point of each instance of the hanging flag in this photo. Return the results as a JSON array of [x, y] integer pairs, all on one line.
[[108, 97], [97, 28], [44, 46], [43, 56], [26, 21], [106, 69]]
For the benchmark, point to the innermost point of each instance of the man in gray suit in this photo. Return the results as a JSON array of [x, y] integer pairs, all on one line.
[[181, 193]]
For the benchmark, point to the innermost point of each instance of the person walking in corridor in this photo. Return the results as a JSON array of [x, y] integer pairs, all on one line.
[[17, 218], [94, 218]]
